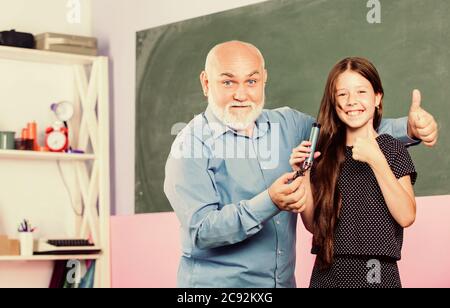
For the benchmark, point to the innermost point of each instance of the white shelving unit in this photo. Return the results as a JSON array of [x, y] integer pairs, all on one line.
[[91, 169], [50, 257], [12, 154]]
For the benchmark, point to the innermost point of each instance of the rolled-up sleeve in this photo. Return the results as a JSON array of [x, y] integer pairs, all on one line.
[[398, 128], [192, 192]]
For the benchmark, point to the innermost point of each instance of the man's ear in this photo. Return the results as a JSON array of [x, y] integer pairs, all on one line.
[[205, 83], [266, 76]]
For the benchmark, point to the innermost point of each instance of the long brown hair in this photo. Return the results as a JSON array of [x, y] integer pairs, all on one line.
[[331, 144]]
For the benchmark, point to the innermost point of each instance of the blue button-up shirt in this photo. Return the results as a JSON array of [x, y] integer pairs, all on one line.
[[232, 234]]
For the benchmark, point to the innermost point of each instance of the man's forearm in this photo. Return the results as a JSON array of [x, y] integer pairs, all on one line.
[[398, 128], [233, 223]]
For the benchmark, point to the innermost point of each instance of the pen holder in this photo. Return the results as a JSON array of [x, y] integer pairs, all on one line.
[[26, 244], [7, 140]]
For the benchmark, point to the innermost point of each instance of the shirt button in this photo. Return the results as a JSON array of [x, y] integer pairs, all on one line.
[[280, 252], [278, 222]]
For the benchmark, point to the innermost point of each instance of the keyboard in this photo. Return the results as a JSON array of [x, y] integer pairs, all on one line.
[[69, 243], [66, 246]]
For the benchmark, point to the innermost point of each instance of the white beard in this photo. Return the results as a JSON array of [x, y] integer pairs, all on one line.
[[236, 121]]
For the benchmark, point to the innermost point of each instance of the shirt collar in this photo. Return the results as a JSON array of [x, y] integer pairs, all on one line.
[[218, 128], [262, 124]]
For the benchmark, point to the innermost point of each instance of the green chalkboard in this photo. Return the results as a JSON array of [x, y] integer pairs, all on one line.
[[301, 40]]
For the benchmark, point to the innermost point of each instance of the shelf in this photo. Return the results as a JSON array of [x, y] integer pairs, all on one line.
[[33, 155], [50, 257], [42, 56], [90, 184]]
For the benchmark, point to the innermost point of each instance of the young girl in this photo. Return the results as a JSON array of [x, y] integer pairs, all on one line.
[[360, 188]]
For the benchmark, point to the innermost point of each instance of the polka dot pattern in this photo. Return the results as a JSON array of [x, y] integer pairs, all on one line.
[[357, 272], [365, 226]]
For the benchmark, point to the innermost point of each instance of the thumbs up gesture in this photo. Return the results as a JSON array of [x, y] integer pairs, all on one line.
[[421, 124], [366, 149]]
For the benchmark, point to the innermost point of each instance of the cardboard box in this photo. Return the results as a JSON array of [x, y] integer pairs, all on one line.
[[4, 245], [67, 43], [9, 247]]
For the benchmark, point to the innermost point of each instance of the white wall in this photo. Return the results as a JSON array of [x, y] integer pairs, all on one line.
[[38, 16], [116, 29], [26, 90]]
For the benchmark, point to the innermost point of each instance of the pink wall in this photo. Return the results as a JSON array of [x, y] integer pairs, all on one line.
[[146, 249]]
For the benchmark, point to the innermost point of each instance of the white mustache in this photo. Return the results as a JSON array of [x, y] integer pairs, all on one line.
[[241, 105]]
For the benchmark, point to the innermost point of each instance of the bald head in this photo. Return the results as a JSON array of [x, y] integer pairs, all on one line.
[[234, 80], [232, 51]]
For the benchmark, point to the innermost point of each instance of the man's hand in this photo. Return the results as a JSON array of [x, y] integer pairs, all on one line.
[[421, 124], [289, 196]]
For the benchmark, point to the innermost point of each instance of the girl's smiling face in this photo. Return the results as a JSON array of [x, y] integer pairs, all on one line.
[[355, 100]]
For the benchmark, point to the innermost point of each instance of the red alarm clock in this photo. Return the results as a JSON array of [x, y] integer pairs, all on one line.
[[57, 137]]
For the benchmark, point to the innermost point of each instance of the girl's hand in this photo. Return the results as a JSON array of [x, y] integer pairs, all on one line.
[[367, 150], [299, 155]]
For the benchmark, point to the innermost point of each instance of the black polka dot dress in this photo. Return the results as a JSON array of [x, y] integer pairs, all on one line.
[[368, 241]]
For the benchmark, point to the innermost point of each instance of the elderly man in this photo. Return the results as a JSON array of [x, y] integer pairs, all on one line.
[[228, 176]]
